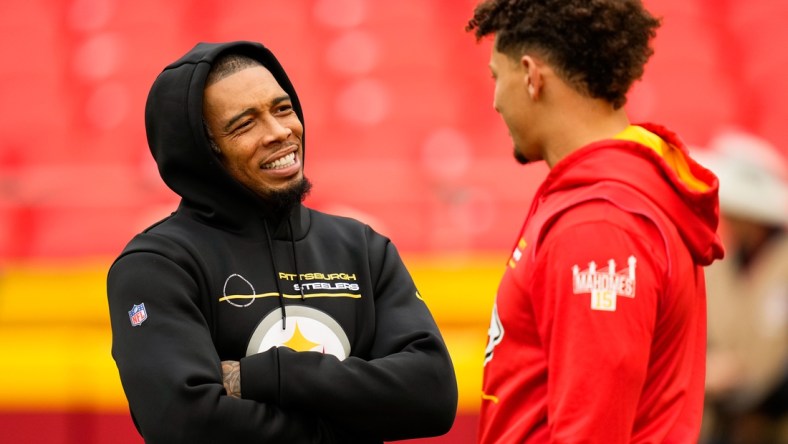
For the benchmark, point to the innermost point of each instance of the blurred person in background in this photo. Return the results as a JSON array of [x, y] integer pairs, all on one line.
[[747, 375], [598, 332], [246, 316]]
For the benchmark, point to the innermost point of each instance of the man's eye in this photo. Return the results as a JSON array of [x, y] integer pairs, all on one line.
[[285, 108], [238, 129]]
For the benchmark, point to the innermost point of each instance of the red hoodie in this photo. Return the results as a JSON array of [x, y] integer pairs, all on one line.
[[598, 333]]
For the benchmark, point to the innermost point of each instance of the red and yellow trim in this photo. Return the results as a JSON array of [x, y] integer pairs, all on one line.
[[674, 157]]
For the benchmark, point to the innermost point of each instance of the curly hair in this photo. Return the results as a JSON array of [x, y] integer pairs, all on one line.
[[598, 46]]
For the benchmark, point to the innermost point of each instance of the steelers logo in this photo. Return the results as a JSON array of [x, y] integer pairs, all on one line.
[[307, 329]]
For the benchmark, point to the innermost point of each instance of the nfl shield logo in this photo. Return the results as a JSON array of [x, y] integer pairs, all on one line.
[[138, 314]]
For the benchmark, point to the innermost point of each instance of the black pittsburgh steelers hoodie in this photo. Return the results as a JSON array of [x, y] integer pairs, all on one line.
[[334, 341]]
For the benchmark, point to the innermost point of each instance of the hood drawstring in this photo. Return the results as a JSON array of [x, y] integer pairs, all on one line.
[[276, 275], [295, 259]]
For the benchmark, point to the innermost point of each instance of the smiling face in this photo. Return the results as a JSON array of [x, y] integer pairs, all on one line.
[[253, 123]]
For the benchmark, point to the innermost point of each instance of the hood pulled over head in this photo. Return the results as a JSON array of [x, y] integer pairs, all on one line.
[[177, 138]]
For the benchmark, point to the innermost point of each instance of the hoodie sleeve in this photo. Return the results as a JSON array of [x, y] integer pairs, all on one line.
[[406, 389], [596, 324], [170, 371]]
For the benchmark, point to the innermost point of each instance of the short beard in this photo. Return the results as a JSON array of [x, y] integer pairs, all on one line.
[[282, 201], [518, 156]]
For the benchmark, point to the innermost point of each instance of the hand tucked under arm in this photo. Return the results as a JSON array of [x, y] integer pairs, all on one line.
[[231, 378]]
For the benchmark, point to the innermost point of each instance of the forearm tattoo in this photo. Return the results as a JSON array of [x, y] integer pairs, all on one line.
[[231, 377]]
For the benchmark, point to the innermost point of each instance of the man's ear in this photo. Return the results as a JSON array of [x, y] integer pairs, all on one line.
[[211, 141], [533, 75]]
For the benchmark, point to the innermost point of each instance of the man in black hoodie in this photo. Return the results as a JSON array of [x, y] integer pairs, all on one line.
[[247, 317]]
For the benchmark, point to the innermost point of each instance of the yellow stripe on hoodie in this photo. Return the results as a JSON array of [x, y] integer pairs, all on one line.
[[672, 156]]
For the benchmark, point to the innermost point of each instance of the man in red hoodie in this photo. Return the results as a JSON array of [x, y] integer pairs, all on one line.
[[598, 333]]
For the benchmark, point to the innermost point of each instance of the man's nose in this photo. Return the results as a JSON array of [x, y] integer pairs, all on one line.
[[277, 131]]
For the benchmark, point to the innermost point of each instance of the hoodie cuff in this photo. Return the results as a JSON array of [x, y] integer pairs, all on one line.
[[260, 376]]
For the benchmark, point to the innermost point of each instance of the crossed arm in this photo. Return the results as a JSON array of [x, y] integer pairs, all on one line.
[[231, 378]]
